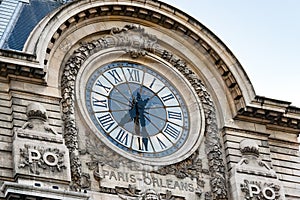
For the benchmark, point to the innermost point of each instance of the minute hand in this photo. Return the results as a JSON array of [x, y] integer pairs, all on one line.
[[141, 108]]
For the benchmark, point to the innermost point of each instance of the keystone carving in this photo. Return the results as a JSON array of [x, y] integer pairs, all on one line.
[[133, 39]]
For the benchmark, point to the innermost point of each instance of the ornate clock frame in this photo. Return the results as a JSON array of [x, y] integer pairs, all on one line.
[[140, 45]]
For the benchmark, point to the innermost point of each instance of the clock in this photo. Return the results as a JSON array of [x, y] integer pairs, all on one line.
[[139, 112]]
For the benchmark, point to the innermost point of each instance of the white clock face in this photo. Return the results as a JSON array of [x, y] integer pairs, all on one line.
[[137, 109]]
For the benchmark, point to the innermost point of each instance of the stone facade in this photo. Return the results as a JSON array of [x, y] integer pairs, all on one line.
[[245, 145]]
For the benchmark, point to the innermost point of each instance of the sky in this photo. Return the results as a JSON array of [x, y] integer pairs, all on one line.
[[264, 35]]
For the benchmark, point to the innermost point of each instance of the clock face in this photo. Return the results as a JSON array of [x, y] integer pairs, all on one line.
[[137, 109]]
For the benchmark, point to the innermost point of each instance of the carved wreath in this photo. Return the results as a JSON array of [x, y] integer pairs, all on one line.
[[245, 189], [39, 165]]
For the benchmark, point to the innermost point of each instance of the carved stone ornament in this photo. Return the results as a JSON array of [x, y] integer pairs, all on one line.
[[190, 167], [149, 194], [38, 149], [251, 162], [37, 125], [39, 160], [256, 190], [249, 147], [101, 154], [253, 178], [135, 41]]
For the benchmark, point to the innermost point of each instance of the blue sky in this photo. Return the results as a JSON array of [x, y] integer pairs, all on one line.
[[264, 35]]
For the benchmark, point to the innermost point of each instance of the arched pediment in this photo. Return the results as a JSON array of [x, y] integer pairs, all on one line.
[[61, 32]]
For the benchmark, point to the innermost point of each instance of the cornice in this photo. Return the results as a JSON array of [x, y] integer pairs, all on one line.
[[19, 64], [273, 113]]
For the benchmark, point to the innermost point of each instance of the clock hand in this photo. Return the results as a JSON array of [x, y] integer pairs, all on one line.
[[141, 118], [134, 114]]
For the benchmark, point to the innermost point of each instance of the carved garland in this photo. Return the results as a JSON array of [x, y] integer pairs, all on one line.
[[138, 46], [40, 165], [248, 195]]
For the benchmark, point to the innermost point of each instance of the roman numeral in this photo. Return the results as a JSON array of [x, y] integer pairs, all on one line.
[[134, 75], [106, 121], [171, 131], [100, 103], [116, 76], [143, 143], [167, 97], [161, 144], [106, 88], [152, 83], [174, 115], [122, 137]]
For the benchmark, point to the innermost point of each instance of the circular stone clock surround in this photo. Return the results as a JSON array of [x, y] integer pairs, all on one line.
[[194, 131]]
